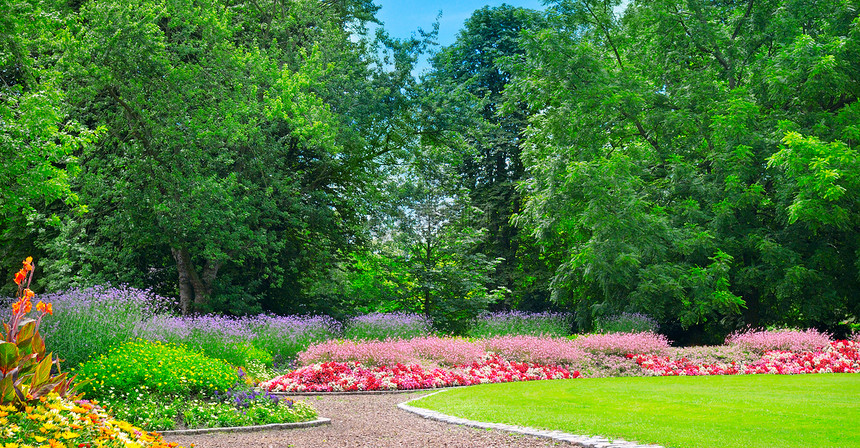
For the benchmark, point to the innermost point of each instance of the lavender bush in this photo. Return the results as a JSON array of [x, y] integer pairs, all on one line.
[[760, 341], [382, 326], [521, 323], [263, 339], [89, 321], [626, 323]]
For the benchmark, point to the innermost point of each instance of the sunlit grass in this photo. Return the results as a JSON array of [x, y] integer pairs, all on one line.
[[744, 411]]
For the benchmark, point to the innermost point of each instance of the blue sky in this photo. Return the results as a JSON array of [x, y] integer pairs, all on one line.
[[402, 18]]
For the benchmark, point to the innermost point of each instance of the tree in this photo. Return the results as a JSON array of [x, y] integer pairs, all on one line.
[[463, 109], [238, 142], [648, 156]]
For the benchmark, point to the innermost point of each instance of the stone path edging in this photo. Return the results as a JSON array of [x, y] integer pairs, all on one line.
[[189, 432], [577, 440]]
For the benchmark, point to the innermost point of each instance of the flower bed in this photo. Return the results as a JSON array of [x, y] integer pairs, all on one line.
[[837, 357], [57, 422], [353, 376]]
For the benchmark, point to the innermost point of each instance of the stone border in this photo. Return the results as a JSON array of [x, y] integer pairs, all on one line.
[[576, 440], [190, 432]]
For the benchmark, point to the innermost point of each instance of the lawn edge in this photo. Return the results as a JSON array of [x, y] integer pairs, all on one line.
[[297, 425], [577, 440]]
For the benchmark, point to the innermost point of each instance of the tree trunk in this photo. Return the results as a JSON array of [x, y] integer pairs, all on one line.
[[194, 289]]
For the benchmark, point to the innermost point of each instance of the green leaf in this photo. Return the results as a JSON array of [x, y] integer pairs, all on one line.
[[9, 357]]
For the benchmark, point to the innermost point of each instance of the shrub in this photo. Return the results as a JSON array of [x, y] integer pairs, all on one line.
[[382, 326], [521, 323], [88, 321], [157, 368], [760, 341], [623, 343], [626, 323]]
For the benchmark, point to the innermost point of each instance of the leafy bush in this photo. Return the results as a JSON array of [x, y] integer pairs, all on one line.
[[626, 323], [156, 367], [382, 326], [88, 321], [623, 343], [521, 323], [760, 341]]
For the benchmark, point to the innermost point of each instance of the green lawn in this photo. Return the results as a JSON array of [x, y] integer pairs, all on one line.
[[744, 411]]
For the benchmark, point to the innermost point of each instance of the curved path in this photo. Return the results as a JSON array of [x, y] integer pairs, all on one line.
[[368, 421]]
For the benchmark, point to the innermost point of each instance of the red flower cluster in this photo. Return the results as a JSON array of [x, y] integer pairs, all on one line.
[[838, 357], [352, 376]]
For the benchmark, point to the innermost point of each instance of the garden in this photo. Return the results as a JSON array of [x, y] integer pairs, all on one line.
[[131, 368]]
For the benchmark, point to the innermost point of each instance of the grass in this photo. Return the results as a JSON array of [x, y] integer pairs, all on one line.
[[743, 411]]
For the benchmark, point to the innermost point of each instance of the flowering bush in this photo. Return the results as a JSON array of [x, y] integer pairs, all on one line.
[[623, 343], [353, 376], [88, 321], [382, 326], [544, 350], [156, 367], [837, 357], [445, 351], [264, 338], [57, 422], [506, 323], [760, 341]]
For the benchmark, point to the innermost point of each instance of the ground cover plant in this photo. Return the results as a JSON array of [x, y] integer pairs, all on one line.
[[746, 411], [353, 376], [505, 323]]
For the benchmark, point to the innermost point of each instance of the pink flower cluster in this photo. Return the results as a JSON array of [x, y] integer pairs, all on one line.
[[837, 357], [353, 376], [761, 341], [623, 343], [544, 350], [445, 351]]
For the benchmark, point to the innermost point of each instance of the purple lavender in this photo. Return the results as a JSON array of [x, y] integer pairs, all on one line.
[[521, 323], [382, 326]]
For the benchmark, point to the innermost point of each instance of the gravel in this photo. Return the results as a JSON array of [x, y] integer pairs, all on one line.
[[368, 421]]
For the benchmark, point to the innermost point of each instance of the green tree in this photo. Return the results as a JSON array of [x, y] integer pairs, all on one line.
[[661, 162]]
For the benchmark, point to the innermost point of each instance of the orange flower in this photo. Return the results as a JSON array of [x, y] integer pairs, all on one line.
[[20, 276], [16, 307], [28, 264], [28, 294], [28, 306], [54, 443], [44, 308]]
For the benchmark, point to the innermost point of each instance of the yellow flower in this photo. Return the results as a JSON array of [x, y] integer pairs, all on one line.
[[69, 435], [40, 439]]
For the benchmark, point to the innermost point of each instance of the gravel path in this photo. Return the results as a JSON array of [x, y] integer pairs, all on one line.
[[367, 421]]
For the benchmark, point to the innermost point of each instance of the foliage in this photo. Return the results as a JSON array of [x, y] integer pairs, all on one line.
[[626, 323], [503, 323], [168, 412], [760, 341], [56, 421], [694, 412], [382, 326], [157, 368], [25, 367], [695, 161]]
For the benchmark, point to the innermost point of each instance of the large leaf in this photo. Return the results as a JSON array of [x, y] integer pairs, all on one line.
[[7, 390], [9, 357], [42, 373]]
